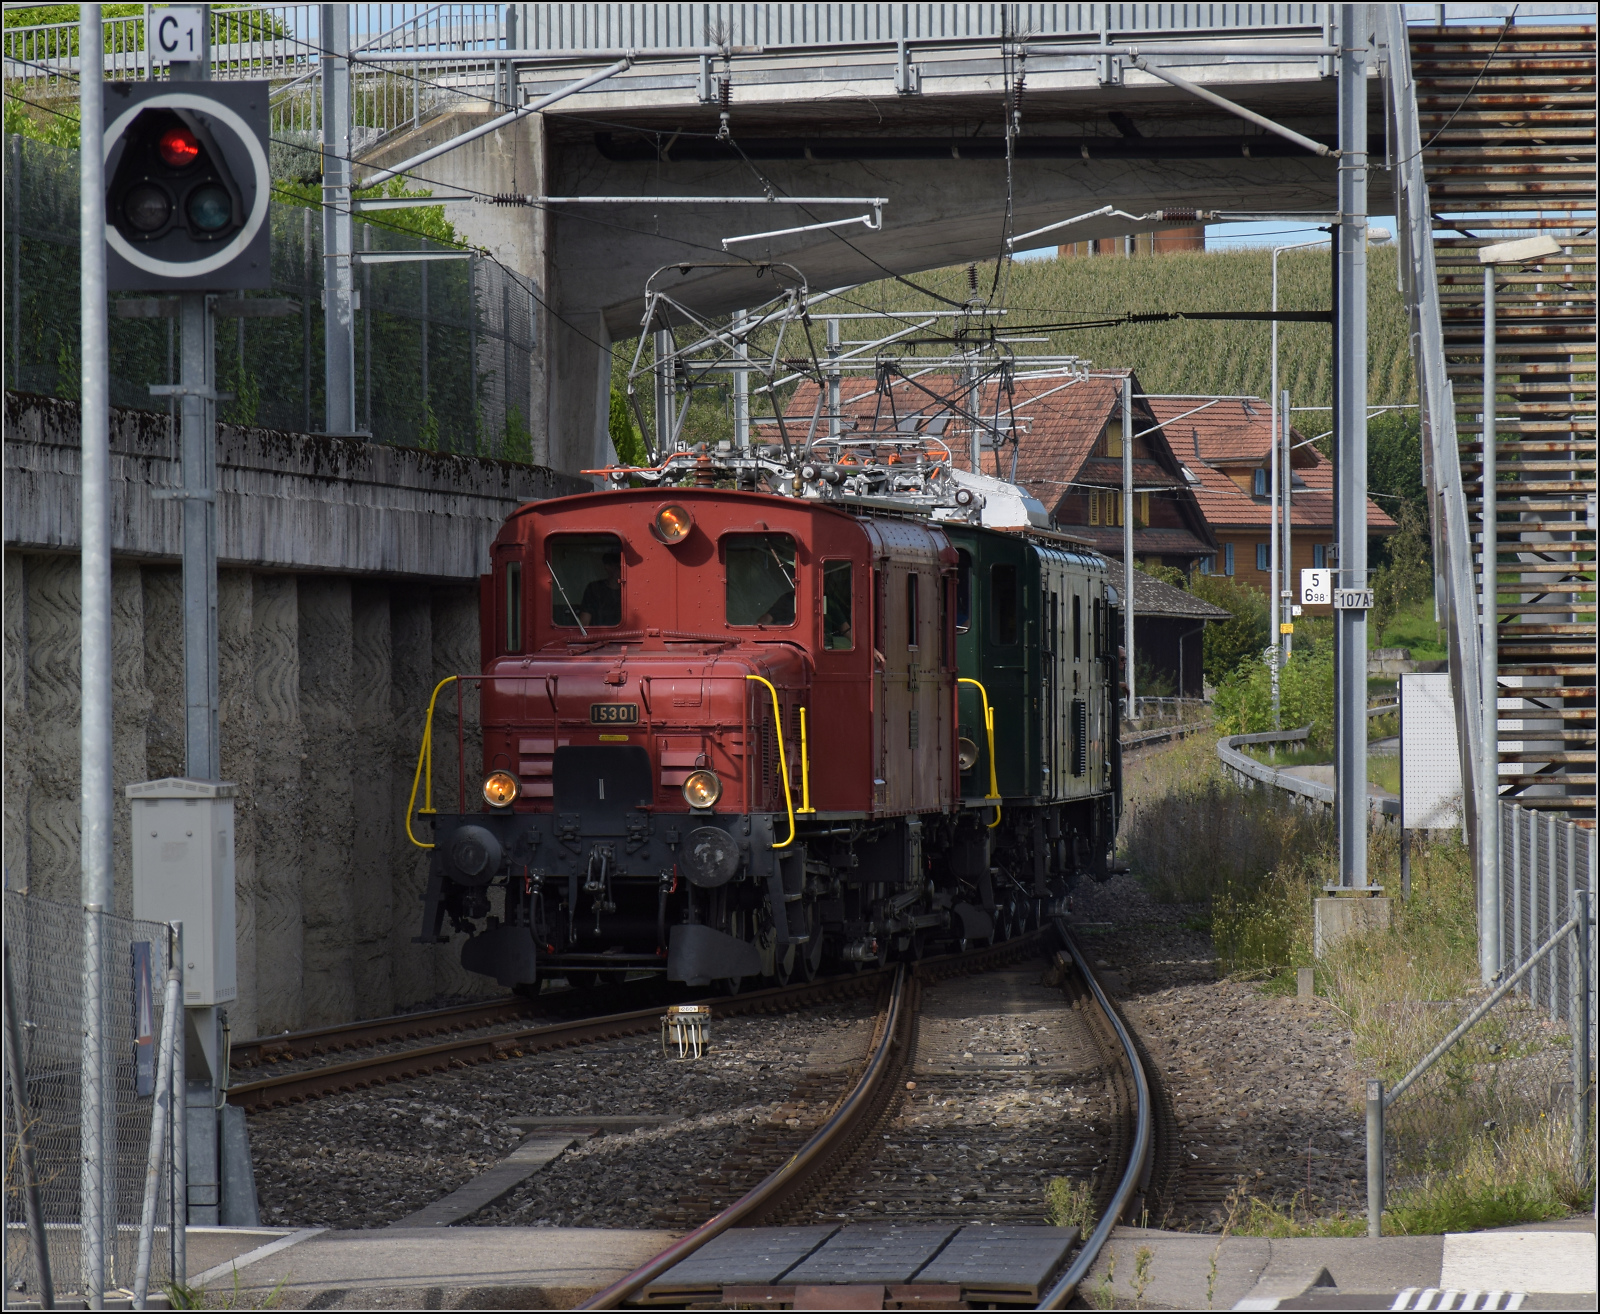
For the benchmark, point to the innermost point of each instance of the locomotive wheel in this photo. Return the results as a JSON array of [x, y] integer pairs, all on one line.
[[799, 962], [584, 980]]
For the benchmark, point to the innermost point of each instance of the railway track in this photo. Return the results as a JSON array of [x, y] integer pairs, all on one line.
[[466, 1051], [850, 1134]]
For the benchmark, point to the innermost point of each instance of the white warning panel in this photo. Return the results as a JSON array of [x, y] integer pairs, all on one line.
[[1430, 767]]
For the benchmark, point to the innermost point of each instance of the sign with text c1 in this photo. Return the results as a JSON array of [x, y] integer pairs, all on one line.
[[178, 35]]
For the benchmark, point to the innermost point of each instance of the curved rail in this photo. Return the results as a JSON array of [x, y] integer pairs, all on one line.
[[1143, 1142], [757, 1197]]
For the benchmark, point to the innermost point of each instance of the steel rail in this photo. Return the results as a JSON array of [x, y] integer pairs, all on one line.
[[377, 1031], [312, 1083], [826, 1138], [835, 1133], [1143, 1141]]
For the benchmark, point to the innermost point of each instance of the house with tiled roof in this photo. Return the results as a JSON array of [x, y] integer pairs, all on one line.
[[1226, 445], [1060, 437]]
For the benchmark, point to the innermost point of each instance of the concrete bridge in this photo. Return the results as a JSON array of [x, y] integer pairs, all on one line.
[[909, 103]]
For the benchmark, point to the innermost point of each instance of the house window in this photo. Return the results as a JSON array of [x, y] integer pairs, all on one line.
[[1263, 560], [1106, 509], [1144, 511], [1261, 483], [1319, 555], [1227, 558], [1206, 565], [1114, 439]]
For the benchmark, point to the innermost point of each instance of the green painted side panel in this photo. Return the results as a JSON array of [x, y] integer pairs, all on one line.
[[1027, 663]]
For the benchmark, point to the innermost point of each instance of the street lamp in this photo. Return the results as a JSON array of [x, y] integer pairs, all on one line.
[[1499, 253]]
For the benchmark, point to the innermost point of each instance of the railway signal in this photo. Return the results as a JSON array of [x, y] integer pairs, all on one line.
[[188, 186]]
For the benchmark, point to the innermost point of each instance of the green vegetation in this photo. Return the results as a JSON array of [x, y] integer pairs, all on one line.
[[1480, 1140], [1228, 645], [1071, 1204], [1195, 355], [625, 436]]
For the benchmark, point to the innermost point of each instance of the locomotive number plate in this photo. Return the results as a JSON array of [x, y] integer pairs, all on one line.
[[613, 713]]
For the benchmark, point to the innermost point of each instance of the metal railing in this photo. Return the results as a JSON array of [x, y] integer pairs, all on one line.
[[143, 1236], [1487, 1098], [1441, 462], [1247, 771]]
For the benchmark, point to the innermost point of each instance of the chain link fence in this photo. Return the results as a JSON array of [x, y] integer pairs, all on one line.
[[1493, 1095], [444, 346], [44, 971], [1544, 862]]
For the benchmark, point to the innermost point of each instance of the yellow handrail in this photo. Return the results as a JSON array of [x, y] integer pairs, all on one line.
[[805, 768], [783, 758], [425, 763], [988, 724]]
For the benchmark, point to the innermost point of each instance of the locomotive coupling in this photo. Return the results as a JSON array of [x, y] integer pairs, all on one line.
[[862, 951]]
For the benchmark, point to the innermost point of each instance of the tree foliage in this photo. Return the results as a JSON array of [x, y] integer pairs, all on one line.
[[1305, 697], [1231, 643], [625, 436]]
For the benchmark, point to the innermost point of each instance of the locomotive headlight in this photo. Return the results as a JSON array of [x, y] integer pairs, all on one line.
[[500, 789], [966, 753], [702, 789], [672, 524]]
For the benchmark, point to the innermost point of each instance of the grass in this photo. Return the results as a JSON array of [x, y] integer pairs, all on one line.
[[1480, 1140], [1413, 629]]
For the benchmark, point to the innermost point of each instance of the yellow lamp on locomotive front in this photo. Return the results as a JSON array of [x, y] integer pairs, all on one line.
[[500, 789], [702, 789], [672, 524]]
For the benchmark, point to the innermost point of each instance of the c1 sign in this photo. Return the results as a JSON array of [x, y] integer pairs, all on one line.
[[179, 35]]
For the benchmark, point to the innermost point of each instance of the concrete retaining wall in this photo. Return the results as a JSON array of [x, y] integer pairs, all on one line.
[[327, 655]]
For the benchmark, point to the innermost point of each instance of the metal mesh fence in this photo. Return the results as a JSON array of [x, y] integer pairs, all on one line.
[[1544, 862], [1492, 1116], [44, 959], [443, 346]]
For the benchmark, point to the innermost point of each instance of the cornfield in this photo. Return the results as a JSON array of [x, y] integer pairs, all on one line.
[[1196, 356]]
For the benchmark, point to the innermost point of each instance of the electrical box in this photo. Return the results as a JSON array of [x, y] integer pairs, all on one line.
[[1430, 765], [183, 871]]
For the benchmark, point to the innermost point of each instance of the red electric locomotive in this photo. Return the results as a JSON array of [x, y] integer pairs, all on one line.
[[723, 738]]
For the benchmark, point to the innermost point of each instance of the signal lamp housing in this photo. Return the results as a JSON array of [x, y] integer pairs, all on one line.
[[500, 789], [672, 524]]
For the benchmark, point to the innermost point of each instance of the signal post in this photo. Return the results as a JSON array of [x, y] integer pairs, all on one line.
[[186, 204]]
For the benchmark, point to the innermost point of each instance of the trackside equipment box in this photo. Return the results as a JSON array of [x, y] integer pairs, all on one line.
[[183, 871]]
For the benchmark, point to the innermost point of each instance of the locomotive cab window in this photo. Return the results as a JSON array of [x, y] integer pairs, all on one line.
[[1003, 604], [963, 591], [837, 599], [585, 573], [760, 579], [513, 606]]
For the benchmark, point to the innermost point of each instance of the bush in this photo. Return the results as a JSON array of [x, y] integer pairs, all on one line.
[[1305, 697], [1232, 643], [1407, 577]]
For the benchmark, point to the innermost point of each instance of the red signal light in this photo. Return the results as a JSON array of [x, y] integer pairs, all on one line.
[[178, 147]]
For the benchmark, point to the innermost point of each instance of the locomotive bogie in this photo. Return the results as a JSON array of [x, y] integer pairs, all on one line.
[[723, 737]]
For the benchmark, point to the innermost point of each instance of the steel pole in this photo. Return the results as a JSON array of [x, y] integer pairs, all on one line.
[[95, 651], [741, 391], [835, 424], [1375, 1159], [1350, 425], [1582, 1023], [1275, 617], [1127, 532], [1489, 913], [338, 235], [1288, 521]]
